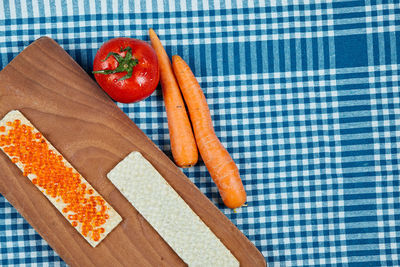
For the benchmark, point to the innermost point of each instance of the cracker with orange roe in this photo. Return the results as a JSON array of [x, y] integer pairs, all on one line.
[[84, 208]]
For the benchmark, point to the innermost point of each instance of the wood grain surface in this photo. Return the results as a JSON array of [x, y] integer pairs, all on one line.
[[93, 134]]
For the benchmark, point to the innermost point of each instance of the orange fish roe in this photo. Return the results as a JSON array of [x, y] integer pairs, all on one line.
[[54, 178]]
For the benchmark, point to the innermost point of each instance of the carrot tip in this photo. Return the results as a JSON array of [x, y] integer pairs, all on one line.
[[186, 166], [175, 57]]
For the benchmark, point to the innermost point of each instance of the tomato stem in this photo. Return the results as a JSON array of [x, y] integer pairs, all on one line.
[[125, 64]]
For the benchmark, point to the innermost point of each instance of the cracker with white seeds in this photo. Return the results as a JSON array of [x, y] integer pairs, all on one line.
[[168, 213]]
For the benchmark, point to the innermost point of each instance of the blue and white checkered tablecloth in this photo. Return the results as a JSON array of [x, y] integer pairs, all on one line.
[[305, 96]]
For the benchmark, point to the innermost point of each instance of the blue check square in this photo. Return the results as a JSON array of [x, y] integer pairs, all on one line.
[[351, 51]]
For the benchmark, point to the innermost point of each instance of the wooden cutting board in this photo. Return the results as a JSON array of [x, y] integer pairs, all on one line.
[[93, 134]]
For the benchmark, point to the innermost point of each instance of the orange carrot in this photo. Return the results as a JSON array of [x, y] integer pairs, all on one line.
[[183, 144], [219, 163]]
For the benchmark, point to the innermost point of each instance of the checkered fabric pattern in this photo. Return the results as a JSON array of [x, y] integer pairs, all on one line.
[[304, 94]]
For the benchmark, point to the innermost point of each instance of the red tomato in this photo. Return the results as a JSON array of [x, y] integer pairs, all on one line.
[[126, 69]]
